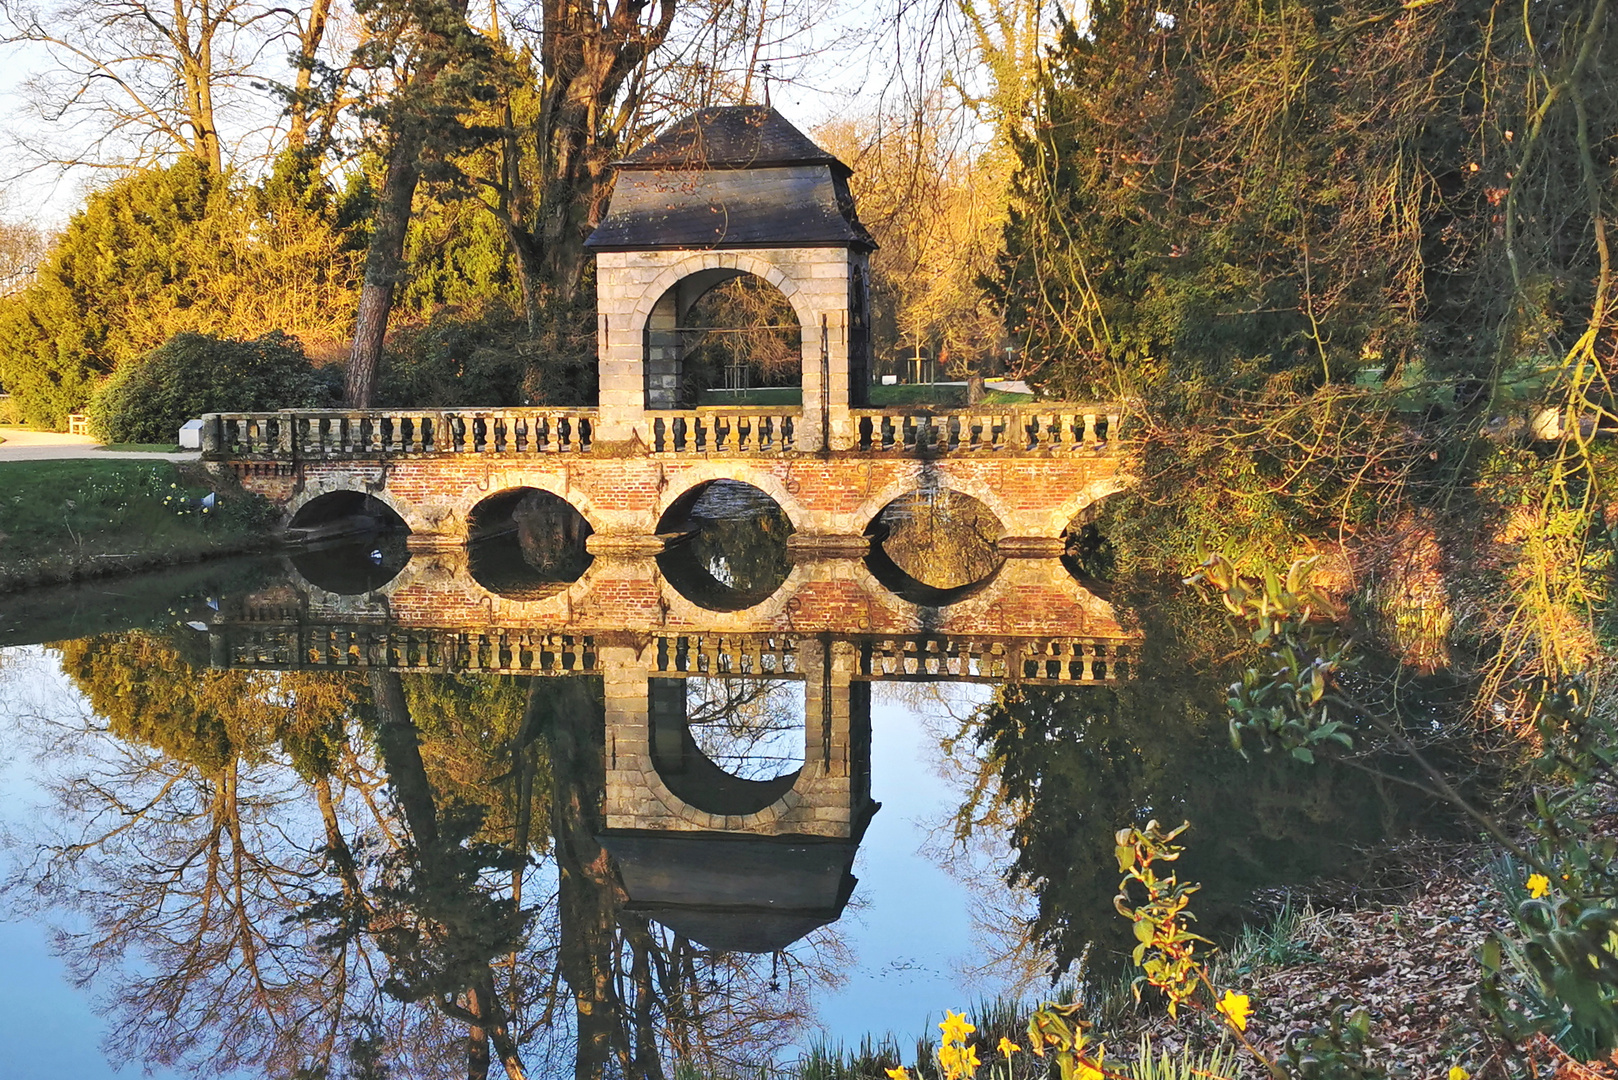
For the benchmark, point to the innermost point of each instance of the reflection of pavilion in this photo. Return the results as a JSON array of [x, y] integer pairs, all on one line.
[[731, 863]]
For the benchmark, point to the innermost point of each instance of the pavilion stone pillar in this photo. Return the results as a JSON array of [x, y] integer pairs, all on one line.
[[620, 350], [722, 193]]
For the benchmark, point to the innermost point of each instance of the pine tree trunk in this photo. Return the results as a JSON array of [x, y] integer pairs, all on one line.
[[384, 267]]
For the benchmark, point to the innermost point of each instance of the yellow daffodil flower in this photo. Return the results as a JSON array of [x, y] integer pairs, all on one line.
[[955, 1027], [969, 1060], [1538, 886], [949, 1060], [1236, 1009], [1007, 1047], [1458, 1073], [901, 1073]]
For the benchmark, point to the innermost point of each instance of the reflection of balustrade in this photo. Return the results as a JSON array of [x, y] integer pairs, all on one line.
[[250, 643], [495, 651], [328, 433], [1015, 428], [714, 656], [727, 429]]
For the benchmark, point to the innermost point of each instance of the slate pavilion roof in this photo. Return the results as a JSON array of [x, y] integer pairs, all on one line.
[[739, 176], [730, 137], [733, 891]]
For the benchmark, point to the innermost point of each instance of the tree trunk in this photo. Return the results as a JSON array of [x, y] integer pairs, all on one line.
[[384, 261], [384, 267], [589, 895], [310, 36]]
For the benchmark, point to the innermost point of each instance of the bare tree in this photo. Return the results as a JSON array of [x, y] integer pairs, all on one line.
[[147, 81], [22, 249]]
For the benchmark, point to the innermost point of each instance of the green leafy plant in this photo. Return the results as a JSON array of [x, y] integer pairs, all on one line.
[[148, 399], [1286, 703]]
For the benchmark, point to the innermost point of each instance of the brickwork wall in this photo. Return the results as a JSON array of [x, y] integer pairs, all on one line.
[[1033, 495]]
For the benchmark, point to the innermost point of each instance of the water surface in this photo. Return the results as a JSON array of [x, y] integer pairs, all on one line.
[[707, 810]]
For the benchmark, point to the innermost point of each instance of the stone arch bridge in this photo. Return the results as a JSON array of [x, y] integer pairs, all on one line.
[[1034, 468], [726, 194]]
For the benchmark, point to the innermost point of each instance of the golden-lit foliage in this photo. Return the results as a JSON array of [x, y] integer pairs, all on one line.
[[937, 214]]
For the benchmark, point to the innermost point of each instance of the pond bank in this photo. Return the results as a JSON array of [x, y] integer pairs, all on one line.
[[74, 520], [1406, 952]]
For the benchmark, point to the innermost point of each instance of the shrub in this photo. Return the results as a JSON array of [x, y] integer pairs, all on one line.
[[191, 374], [489, 358]]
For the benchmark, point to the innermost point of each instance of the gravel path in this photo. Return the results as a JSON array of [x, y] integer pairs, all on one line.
[[23, 445]]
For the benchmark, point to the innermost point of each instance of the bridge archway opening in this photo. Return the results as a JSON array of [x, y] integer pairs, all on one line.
[[723, 337], [934, 546], [728, 745], [527, 543], [352, 543], [1087, 553], [729, 546]]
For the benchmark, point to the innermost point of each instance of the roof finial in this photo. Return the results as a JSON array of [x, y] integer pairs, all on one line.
[[766, 69]]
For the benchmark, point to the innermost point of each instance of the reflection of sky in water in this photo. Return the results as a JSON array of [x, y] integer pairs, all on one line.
[[912, 932], [48, 1028], [908, 929], [751, 728]]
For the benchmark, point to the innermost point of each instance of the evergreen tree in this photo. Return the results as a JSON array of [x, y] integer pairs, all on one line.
[[168, 251]]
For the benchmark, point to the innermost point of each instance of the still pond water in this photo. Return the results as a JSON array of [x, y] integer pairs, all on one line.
[[707, 808]]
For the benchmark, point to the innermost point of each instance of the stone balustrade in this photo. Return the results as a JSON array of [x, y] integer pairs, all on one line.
[[1015, 428], [726, 429], [324, 434], [338, 433]]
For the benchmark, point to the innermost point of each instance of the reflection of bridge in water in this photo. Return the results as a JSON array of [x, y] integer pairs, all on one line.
[[728, 861], [730, 196]]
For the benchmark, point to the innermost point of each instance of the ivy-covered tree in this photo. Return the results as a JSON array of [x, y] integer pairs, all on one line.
[[1239, 191]]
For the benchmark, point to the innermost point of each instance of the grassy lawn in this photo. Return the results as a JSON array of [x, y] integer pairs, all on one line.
[[144, 447], [66, 520], [763, 395]]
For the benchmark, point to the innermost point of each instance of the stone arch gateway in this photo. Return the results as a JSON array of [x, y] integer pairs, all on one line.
[[722, 193]]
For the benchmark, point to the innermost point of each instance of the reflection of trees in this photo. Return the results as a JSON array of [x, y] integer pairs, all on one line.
[[298, 874], [1075, 763], [171, 847], [749, 727], [738, 555], [941, 538]]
